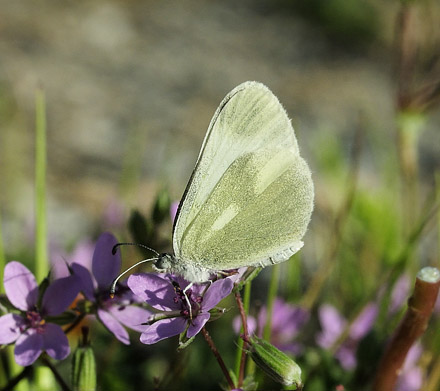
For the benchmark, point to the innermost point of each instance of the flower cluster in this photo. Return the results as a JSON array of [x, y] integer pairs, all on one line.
[[181, 309], [175, 305], [29, 328], [333, 325], [161, 306], [116, 312]]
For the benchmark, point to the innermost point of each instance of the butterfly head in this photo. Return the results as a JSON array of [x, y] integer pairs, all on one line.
[[164, 263]]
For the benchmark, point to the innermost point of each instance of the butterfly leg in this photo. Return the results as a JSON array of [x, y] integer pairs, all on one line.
[[187, 299]]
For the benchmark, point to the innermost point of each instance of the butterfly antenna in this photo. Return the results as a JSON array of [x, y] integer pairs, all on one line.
[[115, 247], [113, 287]]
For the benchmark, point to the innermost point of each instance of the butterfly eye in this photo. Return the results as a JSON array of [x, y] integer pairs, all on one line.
[[164, 262]]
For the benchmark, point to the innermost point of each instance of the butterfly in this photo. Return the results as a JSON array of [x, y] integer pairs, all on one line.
[[250, 196]]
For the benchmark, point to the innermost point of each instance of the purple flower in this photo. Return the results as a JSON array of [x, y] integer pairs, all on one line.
[[173, 210], [114, 214], [251, 324], [399, 293], [81, 254], [411, 377], [29, 330], [165, 293], [287, 321], [333, 325], [114, 313]]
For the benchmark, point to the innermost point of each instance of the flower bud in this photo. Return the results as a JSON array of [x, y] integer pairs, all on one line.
[[161, 209], [276, 364], [83, 366]]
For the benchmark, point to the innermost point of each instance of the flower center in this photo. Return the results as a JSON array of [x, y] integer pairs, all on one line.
[[187, 300], [35, 321]]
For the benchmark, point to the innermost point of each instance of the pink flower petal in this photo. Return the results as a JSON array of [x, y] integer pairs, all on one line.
[[85, 280], [131, 316], [173, 210], [364, 322], [155, 290], [105, 265], [347, 357], [83, 254], [60, 267], [332, 325], [28, 347], [55, 342], [163, 329], [113, 325], [197, 324], [60, 294], [251, 324], [10, 328], [216, 292], [20, 286]]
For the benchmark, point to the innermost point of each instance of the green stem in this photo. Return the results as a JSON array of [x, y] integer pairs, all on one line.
[[316, 285], [243, 346], [2, 258], [293, 283], [217, 355], [437, 198], [9, 350], [11, 386], [55, 373], [240, 342], [41, 254], [272, 293]]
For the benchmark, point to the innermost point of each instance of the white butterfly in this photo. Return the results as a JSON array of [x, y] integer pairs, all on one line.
[[250, 197]]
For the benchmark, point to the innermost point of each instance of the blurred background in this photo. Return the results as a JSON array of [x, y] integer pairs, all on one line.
[[131, 86]]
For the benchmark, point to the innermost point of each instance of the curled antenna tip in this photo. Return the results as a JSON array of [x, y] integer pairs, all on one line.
[[115, 247], [113, 288], [133, 244]]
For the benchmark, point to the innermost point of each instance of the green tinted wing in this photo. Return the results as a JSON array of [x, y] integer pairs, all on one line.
[[250, 197]]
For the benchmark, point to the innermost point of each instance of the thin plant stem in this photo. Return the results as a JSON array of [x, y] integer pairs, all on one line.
[[41, 254], [134, 149], [293, 280], [11, 386], [9, 350], [326, 267], [217, 355], [412, 326], [2, 258], [240, 343], [242, 365], [75, 323], [402, 258], [271, 296], [55, 373], [437, 198], [433, 383], [176, 369]]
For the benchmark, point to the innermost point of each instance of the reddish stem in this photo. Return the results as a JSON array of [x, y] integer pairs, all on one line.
[[218, 357], [412, 326], [245, 339]]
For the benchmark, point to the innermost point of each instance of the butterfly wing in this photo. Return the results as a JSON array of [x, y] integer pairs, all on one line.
[[250, 196]]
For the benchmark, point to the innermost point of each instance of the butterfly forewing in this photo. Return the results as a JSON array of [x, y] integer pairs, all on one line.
[[250, 196]]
